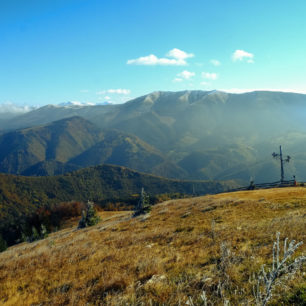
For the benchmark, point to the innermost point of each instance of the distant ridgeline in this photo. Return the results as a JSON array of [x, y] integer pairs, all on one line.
[[21, 197], [198, 135]]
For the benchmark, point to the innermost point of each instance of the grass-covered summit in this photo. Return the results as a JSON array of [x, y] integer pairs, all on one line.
[[215, 243]]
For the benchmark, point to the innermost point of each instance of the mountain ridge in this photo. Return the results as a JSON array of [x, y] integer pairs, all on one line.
[[215, 123], [74, 143]]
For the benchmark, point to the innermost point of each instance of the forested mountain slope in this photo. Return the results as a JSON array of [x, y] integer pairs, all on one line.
[[205, 134], [22, 196]]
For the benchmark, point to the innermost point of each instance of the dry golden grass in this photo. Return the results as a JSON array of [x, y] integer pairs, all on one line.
[[162, 258]]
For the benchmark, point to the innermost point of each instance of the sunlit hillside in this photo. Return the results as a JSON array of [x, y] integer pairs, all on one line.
[[213, 243]]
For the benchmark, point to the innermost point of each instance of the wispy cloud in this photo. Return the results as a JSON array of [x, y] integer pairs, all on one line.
[[243, 90], [84, 90], [177, 80], [76, 103], [152, 60], [209, 75], [9, 107], [215, 62], [186, 74], [241, 55], [118, 91], [175, 57]]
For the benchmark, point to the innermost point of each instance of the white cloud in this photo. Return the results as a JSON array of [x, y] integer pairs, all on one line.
[[118, 91], [177, 80], [9, 107], [209, 75], [84, 90], [107, 98], [215, 62], [179, 54], [152, 60], [75, 104], [175, 57], [241, 55], [186, 74]]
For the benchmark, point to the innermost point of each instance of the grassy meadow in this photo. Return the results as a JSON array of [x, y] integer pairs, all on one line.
[[215, 243]]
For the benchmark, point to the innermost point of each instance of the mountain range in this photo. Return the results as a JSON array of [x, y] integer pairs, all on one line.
[[188, 134], [73, 143]]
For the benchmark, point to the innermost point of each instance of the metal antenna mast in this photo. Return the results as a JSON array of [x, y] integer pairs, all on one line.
[[280, 157]]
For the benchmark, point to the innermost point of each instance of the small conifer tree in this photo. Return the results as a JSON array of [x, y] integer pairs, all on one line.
[[82, 222], [143, 205], [92, 218], [89, 217]]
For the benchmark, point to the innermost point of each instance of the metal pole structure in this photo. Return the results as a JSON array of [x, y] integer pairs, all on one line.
[[282, 163]]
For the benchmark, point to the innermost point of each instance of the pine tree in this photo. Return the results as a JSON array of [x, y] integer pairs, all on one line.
[[89, 217], [143, 205], [82, 222]]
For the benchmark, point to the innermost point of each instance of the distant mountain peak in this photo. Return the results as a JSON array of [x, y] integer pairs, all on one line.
[[77, 104]]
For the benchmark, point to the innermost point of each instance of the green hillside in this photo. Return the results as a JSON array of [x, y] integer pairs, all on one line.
[[21, 196], [50, 167], [58, 141], [118, 148], [73, 143]]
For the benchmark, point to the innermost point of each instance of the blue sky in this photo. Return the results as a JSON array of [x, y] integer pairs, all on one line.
[[92, 51]]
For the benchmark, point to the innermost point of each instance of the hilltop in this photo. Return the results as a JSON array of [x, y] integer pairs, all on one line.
[[181, 248]]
